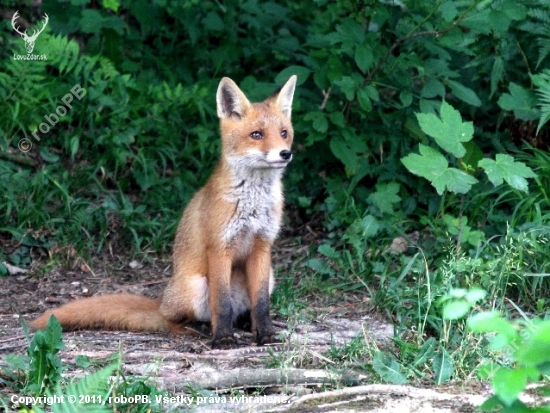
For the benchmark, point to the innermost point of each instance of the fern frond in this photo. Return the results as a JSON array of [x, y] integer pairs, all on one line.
[[539, 14], [94, 384], [85, 66], [108, 68], [544, 49], [542, 82], [532, 27], [62, 52]]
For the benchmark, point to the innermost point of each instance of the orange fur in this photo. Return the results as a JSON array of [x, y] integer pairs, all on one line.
[[108, 312], [222, 250]]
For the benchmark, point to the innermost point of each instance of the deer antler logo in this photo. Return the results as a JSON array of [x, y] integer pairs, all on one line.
[[29, 40]]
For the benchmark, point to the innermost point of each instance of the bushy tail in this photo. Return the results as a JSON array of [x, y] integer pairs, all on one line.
[[126, 312]]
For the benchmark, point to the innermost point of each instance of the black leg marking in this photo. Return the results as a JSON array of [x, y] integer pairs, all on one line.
[[244, 322], [265, 332], [222, 336]]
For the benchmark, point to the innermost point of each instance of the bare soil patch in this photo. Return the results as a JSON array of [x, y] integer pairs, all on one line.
[[176, 361]]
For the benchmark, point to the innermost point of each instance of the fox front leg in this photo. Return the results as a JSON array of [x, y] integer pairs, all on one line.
[[258, 273], [219, 280]]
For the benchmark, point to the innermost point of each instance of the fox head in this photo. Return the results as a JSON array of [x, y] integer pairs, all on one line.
[[255, 135]]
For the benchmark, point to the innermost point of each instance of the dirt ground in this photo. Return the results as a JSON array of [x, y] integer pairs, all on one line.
[[175, 361]]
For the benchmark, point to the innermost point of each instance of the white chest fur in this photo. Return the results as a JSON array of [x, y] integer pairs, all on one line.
[[256, 194]]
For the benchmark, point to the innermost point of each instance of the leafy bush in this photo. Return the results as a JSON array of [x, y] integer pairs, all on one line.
[[523, 346], [117, 169]]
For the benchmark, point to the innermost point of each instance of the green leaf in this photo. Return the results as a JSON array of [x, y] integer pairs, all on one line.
[[415, 131], [475, 294], [364, 57], [213, 22], [351, 31], [492, 321], [458, 292], [499, 342], [497, 74], [433, 166], [456, 181], [300, 71], [385, 196], [425, 352], [82, 361], [498, 21], [476, 237], [478, 21], [455, 309], [508, 384], [473, 155], [521, 101], [337, 118], [388, 368], [372, 93], [536, 350], [406, 98], [491, 404], [364, 100], [456, 227], [74, 145], [45, 364], [487, 369], [514, 9], [464, 93], [347, 84], [343, 152], [48, 156], [320, 266], [367, 227], [432, 89], [91, 21], [449, 132], [348, 148], [504, 168], [111, 5], [443, 366], [320, 122], [328, 251], [448, 10], [430, 164]]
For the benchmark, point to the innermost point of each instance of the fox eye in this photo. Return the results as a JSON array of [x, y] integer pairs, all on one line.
[[284, 134], [257, 135]]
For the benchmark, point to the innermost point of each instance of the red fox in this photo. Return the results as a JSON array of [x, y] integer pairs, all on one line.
[[222, 250]]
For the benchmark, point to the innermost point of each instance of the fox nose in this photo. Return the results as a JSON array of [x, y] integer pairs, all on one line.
[[285, 154]]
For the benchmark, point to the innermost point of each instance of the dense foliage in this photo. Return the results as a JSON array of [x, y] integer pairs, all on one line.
[[122, 162]]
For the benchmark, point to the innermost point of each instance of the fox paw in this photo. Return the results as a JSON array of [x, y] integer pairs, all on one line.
[[266, 339], [224, 343]]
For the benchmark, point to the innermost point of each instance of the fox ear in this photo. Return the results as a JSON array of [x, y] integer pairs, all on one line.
[[230, 101], [284, 98]]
